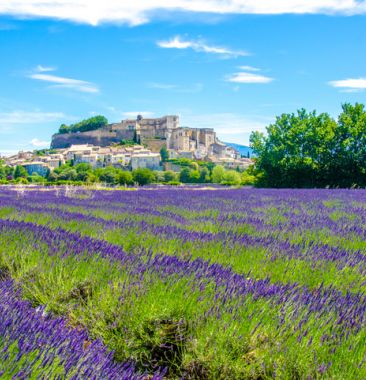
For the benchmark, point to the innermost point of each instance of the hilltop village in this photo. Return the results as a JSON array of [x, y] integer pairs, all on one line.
[[154, 143]]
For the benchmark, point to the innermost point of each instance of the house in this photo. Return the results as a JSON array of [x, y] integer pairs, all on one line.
[[36, 167], [145, 160]]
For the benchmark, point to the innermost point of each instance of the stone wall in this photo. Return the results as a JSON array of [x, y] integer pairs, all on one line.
[[101, 137], [154, 145]]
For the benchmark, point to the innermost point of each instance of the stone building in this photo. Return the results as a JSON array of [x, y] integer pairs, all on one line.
[[197, 140], [136, 130], [154, 133]]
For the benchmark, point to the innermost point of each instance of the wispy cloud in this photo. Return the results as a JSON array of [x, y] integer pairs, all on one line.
[[9, 121], [39, 143], [186, 89], [249, 68], [43, 69], [248, 75], [62, 82], [142, 11], [162, 86], [350, 85], [178, 42], [32, 117]]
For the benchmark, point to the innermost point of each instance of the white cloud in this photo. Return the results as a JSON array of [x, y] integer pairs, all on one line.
[[188, 89], [248, 76], [249, 68], [162, 86], [42, 69], [95, 12], [350, 85], [39, 143], [200, 46], [62, 82], [24, 117]]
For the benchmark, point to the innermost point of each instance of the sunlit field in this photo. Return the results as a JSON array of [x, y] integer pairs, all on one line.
[[176, 283]]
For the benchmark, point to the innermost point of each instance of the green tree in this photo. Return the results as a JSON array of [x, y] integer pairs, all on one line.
[[85, 125], [52, 177], [248, 178], [2, 172], [296, 150], [347, 166], [68, 174], [231, 177], [185, 175], [124, 178], [108, 175], [63, 129], [143, 176], [164, 154], [204, 175], [217, 174], [194, 176], [20, 172], [169, 176]]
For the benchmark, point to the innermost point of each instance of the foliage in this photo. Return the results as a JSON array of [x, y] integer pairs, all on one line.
[[231, 177], [164, 154], [43, 152], [143, 176], [127, 142], [85, 125], [248, 179], [226, 284], [124, 178], [169, 176], [20, 172], [218, 174], [310, 150]]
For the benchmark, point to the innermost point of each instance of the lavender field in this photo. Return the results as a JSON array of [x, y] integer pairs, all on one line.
[[176, 283]]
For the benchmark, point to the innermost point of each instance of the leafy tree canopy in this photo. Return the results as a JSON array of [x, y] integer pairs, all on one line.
[[143, 176], [310, 150], [85, 125]]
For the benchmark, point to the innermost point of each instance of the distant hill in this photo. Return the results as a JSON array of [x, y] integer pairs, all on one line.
[[242, 149]]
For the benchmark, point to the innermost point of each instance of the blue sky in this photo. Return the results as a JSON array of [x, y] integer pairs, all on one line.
[[230, 65]]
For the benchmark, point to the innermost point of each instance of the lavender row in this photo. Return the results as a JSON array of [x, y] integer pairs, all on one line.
[[277, 248], [349, 309], [35, 344]]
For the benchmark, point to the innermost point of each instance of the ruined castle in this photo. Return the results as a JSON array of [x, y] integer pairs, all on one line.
[[152, 132]]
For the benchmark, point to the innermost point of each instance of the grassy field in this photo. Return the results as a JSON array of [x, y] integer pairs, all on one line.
[[182, 284]]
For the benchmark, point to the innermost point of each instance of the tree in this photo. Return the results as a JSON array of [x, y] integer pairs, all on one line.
[[231, 177], [20, 172], [247, 179], [217, 174], [68, 174], [296, 151], [52, 177], [348, 164], [85, 125], [169, 176], [194, 176], [164, 154], [143, 176], [36, 178], [185, 175], [108, 175], [63, 129], [124, 178], [204, 175]]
